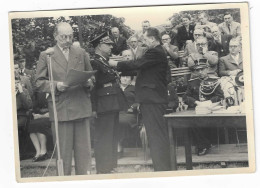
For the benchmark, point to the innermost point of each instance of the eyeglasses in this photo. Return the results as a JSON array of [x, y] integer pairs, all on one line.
[[65, 37], [233, 46], [133, 41], [201, 44], [197, 35], [166, 39]]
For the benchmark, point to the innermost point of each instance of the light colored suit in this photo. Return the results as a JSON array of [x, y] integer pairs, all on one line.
[[138, 53], [235, 29], [73, 107], [227, 63]]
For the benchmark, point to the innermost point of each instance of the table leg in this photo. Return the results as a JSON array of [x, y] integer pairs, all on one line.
[[173, 153], [188, 154]]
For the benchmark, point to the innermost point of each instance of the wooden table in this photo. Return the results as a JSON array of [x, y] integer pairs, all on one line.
[[187, 119]]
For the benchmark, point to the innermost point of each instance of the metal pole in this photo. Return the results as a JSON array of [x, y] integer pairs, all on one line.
[[80, 31], [59, 160]]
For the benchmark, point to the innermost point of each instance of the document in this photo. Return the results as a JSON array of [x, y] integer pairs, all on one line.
[[76, 77]]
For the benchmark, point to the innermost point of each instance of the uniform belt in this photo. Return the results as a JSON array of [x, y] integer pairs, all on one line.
[[109, 84]]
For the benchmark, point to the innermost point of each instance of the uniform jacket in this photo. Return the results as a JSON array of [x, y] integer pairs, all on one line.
[[107, 96], [151, 82], [235, 29], [223, 47], [75, 102], [119, 45], [183, 35], [193, 93], [227, 63]]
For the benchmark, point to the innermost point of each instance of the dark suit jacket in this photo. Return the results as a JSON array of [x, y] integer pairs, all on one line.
[[119, 46], [223, 47], [151, 82], [75, 102], [183, 35], [227, 63]]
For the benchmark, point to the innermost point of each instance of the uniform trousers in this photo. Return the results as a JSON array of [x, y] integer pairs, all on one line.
[[74, 135], [157, 134], [105, 142]]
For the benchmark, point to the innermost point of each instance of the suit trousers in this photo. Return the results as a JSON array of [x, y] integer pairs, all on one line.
[[105, 141], [157, 134], [74, 135]]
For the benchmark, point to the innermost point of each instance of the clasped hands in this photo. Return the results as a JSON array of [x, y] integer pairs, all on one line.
[[61, 87]]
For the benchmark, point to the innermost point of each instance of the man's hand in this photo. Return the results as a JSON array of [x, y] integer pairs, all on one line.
[[166, 45], [112, 63], [234, 72], [89, 84], [61, 87]]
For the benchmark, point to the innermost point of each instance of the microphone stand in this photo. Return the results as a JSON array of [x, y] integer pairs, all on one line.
[[59, 160]]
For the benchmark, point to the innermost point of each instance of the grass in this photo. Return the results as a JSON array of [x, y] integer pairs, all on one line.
[[31, 171]]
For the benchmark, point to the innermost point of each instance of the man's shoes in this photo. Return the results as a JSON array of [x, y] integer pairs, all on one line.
[[41, 157], [203, 151]]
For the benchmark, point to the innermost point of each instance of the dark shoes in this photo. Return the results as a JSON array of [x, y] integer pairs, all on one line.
[[204, 151], [41, 157]]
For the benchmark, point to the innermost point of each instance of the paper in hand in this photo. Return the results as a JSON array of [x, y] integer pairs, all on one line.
[[76, 77]]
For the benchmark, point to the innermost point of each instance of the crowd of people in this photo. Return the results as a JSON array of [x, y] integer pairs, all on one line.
[[133, 77]]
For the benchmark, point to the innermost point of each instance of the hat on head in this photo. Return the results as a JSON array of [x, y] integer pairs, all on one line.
[[198, 64], [101, 39]]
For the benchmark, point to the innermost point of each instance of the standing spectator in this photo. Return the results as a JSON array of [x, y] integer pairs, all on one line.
[[231, 64], [169, 31], [203, 53], [171, 51], [205, 24], [119, 44], [185, 32], [137, 51], [230, 27], [140, 34], [151, 93], [26, 72], [107, 100], [73, 103], [219, 43]]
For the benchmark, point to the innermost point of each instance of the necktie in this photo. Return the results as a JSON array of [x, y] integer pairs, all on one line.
[[66, 53], [229, 28]]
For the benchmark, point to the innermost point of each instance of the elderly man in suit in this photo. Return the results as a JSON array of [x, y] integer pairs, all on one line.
[[119, 44], [171, 51], [231, 64], [219, 43], [205, 24], [151, 93], [136, 50], [169, 31], [230, 27], [140, 34], [185, 32], [72, 103]]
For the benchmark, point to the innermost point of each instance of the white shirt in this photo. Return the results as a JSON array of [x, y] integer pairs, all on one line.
[[65, 53]]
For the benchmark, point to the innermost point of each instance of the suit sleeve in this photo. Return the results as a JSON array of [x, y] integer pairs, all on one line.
[[212, 58], [42, 76], [222, 68], [173, 51], [150, 58]]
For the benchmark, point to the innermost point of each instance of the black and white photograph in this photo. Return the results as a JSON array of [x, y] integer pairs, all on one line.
[[132, 92]]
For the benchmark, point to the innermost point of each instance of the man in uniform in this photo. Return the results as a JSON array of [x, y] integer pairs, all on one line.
[[72, 103], [107, 99], [151, 93]]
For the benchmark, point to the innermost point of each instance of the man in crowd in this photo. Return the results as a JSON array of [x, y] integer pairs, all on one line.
[[219, 43], [107, 100], [169, 31], [119, 44], [140, 34], [137, 51], [185, 32], [72, 102], [171, 51], [205, 24], [26, 72], [151, 93], [231, 64], [230, 27], [203, 53]]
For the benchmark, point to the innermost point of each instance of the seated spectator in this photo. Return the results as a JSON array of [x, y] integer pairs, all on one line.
[[39, 127], [211, 57], [119, 44], [171, 51], [231, 64], [205, 24], [185, 32], [191, 46], [23, 71], [137, 51], [204, 86], [230, 27], [172, 34], [219, 43]]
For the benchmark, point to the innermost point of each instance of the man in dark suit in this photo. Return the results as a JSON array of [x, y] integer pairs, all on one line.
[[119, 44], [185, 32], [219, 43], [72, 103], [151, 93], [231, 64], [107, 99]]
